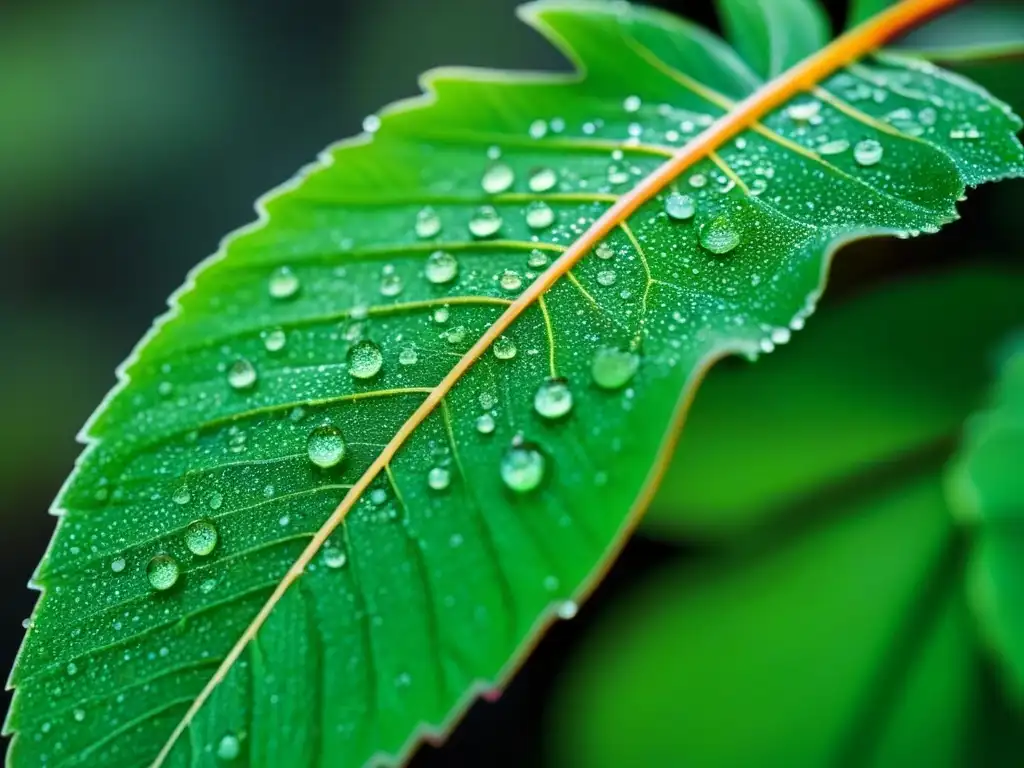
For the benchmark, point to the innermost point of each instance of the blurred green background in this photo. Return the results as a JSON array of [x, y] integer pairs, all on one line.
[[746, 618]]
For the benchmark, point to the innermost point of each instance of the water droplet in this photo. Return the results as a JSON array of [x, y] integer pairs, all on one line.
[[442, 267], [487, 400], [408, 356], [455, 335], [441, 315], [617, 174], [834, 147], [553, 399], [117, 565], [631, 104], [378, 496], [604, 251], [485, 424], [867, 152], [485, 221], [606, 277], [391, 284], [371, 123], [208, 586], [504, 348], [79, 715], [803, 111], [522, 466], [539, 215], [680, 207], [274, 341], [364, 360], [334, 557], [201, 537], [428, 223], [71, 668], [241, 374], [228, 748], [538, 129], [438, 478], [182, 495], [510, 280], [497, 178], [162, 572], [283, 283], [567, 609], [612, 368], [537, 259], [214, 500], [698, 180], [165, 388], [719, 235], [326, 446], [542, 180]]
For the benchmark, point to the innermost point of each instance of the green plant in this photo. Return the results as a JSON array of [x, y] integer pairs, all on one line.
[[389, 433]]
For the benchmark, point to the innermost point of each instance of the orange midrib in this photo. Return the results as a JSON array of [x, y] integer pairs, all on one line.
[[843, 50]]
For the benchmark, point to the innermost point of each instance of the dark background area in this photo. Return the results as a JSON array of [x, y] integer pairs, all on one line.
[[134, 135]]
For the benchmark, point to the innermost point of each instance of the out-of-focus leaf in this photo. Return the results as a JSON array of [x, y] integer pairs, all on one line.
[[986, 487], [773, 35], [880, 377]]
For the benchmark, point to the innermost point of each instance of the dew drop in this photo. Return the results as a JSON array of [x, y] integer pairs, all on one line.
[[542, 180], [553, 399], [391, 284], [162, 572], [441, 315], [371, 123], [804, 111], [182, 495], [364, 360], [567, 609], [325, 446], [201, 537], [867, 152], [283, 283], [274, 341], [537, 259], [378, 496], [834, 147], [510, 280], [698, 180], [438, 478], [497, 178], [487, 400], [455, 335], [539, 215], [241, 374], [408, 356], [631, 104], [334, 557], [208, 586], [485, 424], [79, 715], [485, 221], [538, 129], [71, 668], [228, 748], [117, 565], [522, 466], [719, 235], [604, 251], [680, 207], [612, 368], [504, 348], [606, 277], [214, 500], [442, 267], [428, 223]]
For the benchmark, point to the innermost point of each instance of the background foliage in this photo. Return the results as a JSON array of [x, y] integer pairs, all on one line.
[[195, 109]]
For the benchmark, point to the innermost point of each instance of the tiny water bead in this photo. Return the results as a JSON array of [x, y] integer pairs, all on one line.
[[719, 235], [498, 178], [631, 104], [553, 399], [283, 283], [542, 180], [274, 341], [439, 478], [228, 748], [834, 147], [241, 374], [371, 123], [485, 424], [539, 215], [428, 223], [182, 495], [537, 259], [522, 466], [485, 221], [680, 207], [804, 111], [334, 557], [325, 446], [162, 572], [606, 277], [604, 251], [364, 360], [504, 348], [612, 368], [408, 356], [391, 284], [510, 280], [868, 152], [442, 267], [201, 537], [117, 565], [214, 500]]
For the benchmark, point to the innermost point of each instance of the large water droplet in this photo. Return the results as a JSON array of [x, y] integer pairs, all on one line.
[[228, 748], [438, 478], [182, 495], [542, 180], [364, 360], [680, 207], [510, 280], [162, 572], [442, 267], [539, 215], [241, 374], [497, 178], [283, 283], [719, 235], [334, 557], [553, 399], [504, 348], [485, 424], [606, 277], [537, 259], [522, 466], [428, 223], [117, 565], [326, 446], [201, 537], [868, 152], [612, 368], [485, 221]]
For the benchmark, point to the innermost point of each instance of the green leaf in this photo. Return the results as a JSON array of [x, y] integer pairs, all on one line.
[[773, 35], [849, 644], [883, 378], [226, 579], [987, 490]]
